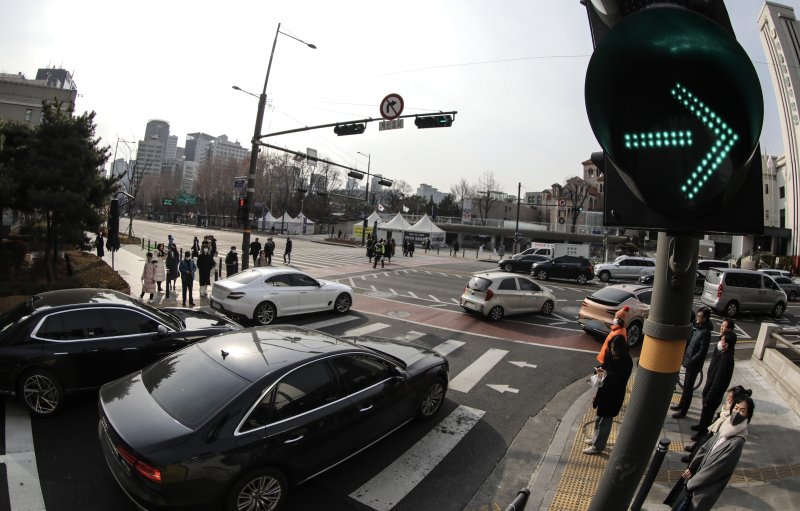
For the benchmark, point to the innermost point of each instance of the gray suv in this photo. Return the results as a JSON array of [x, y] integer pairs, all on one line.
[[730, 290]]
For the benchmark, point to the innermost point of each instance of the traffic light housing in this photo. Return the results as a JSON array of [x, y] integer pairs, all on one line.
[[676, 106], [350, 129], [241, 210], [434, 121]]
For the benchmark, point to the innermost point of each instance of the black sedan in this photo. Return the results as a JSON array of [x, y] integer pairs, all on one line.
[[274, 407], [521, 263], [647, 277], [62, 341]]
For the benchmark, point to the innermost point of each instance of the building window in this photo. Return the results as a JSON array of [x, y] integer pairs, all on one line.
[[766, 189], [782, 218], [28, 114], [782, 192], [766, 214]]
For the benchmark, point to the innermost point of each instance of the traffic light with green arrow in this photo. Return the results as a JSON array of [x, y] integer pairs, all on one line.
[[676, 106]]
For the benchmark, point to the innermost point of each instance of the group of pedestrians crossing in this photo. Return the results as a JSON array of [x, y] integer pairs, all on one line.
[[721, 431]]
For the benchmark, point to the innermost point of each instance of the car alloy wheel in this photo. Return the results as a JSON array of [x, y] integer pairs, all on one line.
[[732, 309], [432, 399], [634, 333], [582, 279], [496, 313], [698, 290], [264, 313], [263, 490], [343, 303], [41, 392], [605, 276], [777, 312], [541, 275], [508, 267], [547, 308]]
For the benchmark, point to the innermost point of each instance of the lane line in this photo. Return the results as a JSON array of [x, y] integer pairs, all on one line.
[[393, 291], [330, 322], [473, 373], [448, 346], [384, 491], [366, 329], [411, 294], [434, 298], [374, 288], [455, 301], [24, 489]]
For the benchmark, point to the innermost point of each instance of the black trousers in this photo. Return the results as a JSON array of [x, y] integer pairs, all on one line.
[[688, 389], [711, 404], [186, 284]]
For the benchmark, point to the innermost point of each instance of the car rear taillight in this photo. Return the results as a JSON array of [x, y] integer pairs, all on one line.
[[235, 295], [719, 290], [489, 294], [591, 269], [140, 466]]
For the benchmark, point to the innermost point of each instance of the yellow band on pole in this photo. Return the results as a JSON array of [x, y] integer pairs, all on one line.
[[662, 356]]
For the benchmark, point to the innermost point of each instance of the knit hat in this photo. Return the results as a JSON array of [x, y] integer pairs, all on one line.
[[623, 313]]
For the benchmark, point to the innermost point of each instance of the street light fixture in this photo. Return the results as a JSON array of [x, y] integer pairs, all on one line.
[[251, 174]]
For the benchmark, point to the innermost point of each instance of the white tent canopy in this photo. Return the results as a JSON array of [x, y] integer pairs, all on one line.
[[285, 223], [398, 223], [373, 218], [426, 225], [266, 221], [424, 230]]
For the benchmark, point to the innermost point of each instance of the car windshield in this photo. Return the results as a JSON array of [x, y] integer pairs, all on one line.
[[174, 384], [611, 296], [246, 277], [166, 317], [479, 284]]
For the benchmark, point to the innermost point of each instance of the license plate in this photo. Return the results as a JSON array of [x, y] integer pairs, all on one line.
[[215, 305], [470, 305]]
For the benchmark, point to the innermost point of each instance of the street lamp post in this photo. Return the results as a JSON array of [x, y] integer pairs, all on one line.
[[516, 228], [251, 174], [366, 198]]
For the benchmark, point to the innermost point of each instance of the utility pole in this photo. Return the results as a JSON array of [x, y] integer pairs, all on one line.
[[516, 228]]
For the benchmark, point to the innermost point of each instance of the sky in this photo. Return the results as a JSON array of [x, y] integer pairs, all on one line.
[[514, 70]]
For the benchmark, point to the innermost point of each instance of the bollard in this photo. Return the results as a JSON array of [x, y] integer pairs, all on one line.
[[647, 483], [142, 243], [519, 501], [437, 250]]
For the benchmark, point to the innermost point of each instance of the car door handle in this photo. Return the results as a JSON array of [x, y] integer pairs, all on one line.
[[293, 440], [365, 408]]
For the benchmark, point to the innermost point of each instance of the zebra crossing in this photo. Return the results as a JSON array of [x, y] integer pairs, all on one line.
[[316, 258], [385, 489]]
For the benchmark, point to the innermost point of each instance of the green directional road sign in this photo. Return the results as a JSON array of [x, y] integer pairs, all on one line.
[[676, 105]]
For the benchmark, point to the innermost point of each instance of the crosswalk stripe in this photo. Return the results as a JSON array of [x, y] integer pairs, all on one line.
[[455, 301], [24, 489], [410, 336], [394, 482], [412, 295], [366, 329], [470, 376], [330, 322], [373, 288], [448, 346], [434, 298]]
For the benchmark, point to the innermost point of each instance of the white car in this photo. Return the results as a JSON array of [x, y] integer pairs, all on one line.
[[498, 294], [263, 294], [624, 267]]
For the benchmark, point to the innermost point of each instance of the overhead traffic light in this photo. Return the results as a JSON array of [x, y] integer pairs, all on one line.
[[350, 129], [676, 106], [434, 121], [241, 210]]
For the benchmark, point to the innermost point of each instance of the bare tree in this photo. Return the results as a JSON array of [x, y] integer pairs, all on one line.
[[462, 190], [396, 194], [576, 191], [486, 194]]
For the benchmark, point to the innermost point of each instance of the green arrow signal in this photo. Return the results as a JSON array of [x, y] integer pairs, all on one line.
[[721, 145]]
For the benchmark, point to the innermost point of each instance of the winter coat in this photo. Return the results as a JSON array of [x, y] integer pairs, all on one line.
[[697, 348], [99, 244], [255, 248], [720, 372], [187, 269], [173, 258], [149, 277], [269, 248], [615, 331], [262, 260], [712, 470], [231, 263], [204, 264], [610, 396], [161, 270], [288, 249]]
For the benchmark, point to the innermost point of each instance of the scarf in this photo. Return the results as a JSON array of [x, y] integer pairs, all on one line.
[[728, 430], [724, 415]]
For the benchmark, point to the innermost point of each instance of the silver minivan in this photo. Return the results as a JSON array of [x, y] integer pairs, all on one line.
[[730, 291]]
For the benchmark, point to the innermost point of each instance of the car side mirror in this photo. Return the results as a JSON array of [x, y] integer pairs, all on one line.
[[162, 331], [400, 373]]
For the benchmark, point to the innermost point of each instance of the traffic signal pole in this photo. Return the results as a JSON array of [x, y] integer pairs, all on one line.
[[666, 331]]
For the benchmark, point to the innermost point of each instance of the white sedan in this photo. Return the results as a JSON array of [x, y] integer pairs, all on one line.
[[263, 294]]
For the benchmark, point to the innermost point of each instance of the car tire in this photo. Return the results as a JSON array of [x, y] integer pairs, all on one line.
[[264, 314], [791, 296], [343, 303], [548, 307], [582, 279], [41, 392], [698, 290], [541, 274], [432, 399], [731, 309], [496, 313], [508, 267], [777, 312], [634, 333], [264, 490], [605, 276]]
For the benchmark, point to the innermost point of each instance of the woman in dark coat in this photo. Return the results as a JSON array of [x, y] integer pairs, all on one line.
[[608, 401], [204, 265], [173, 259], [718, 379]]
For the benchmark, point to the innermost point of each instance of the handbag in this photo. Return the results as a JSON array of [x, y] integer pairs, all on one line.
[[679, 498], [596, 381]]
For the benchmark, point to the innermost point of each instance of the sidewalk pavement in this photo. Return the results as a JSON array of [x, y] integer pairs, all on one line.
[[564, 479], [547, 454]]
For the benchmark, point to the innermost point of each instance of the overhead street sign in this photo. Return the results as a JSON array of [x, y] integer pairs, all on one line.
[[562, 203], [390, 125], [392, 107], [239, 183]]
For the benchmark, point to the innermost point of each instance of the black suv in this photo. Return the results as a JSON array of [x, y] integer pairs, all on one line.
[[564, 267]]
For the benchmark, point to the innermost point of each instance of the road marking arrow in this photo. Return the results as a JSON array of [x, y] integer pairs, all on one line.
[[502, 388], [522, 364]]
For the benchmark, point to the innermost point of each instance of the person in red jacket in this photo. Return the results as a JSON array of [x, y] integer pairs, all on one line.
[[617, 328]]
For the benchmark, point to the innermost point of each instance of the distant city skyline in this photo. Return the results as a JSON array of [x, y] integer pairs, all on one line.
[[515, 75]]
